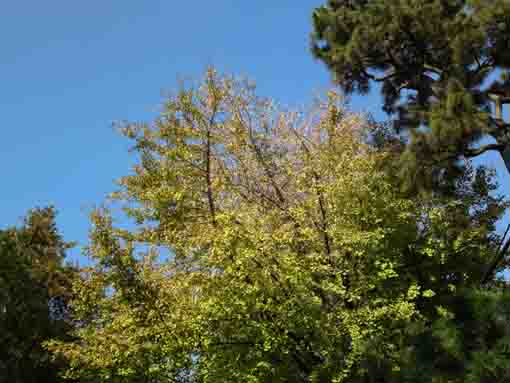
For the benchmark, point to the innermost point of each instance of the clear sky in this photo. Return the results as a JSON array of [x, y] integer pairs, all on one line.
[[68, 69]]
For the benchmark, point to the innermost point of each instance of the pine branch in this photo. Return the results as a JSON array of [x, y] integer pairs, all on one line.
[[499, 257], [478, 151], [432, 68], [378, 78]]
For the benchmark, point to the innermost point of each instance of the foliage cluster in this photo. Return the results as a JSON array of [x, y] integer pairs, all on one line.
[[35, 286], [294, 256], [436, 63]]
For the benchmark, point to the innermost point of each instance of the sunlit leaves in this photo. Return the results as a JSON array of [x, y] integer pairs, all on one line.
[[293, 257]]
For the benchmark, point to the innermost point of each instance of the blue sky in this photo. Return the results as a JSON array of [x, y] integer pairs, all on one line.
[[68, 69]]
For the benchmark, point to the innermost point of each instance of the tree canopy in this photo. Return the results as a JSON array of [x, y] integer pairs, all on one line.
[[436, 64], [35, 286], [293, 255]]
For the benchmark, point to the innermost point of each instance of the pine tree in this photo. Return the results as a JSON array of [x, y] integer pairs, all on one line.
[[436, 64]]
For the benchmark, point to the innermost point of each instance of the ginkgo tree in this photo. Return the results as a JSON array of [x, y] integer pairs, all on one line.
[[293, 255]]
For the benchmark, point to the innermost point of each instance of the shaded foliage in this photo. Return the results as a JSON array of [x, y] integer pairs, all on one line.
[[34, 291]]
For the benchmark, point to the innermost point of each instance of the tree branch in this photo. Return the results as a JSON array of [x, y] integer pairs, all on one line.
[[434, 69], [499, 257], [377, 78], [260, 158], [478, 151], [210, 198], [322, 208]]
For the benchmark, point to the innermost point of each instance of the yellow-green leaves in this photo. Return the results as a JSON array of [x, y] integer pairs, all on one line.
[[292, 255]]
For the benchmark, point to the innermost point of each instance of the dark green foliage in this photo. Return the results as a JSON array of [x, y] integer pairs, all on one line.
[[34, 289], [468, 342], [436, 62]]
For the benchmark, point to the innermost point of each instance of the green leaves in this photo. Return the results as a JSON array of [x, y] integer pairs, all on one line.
[[435, 61], [34, 294], [293, 255]]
